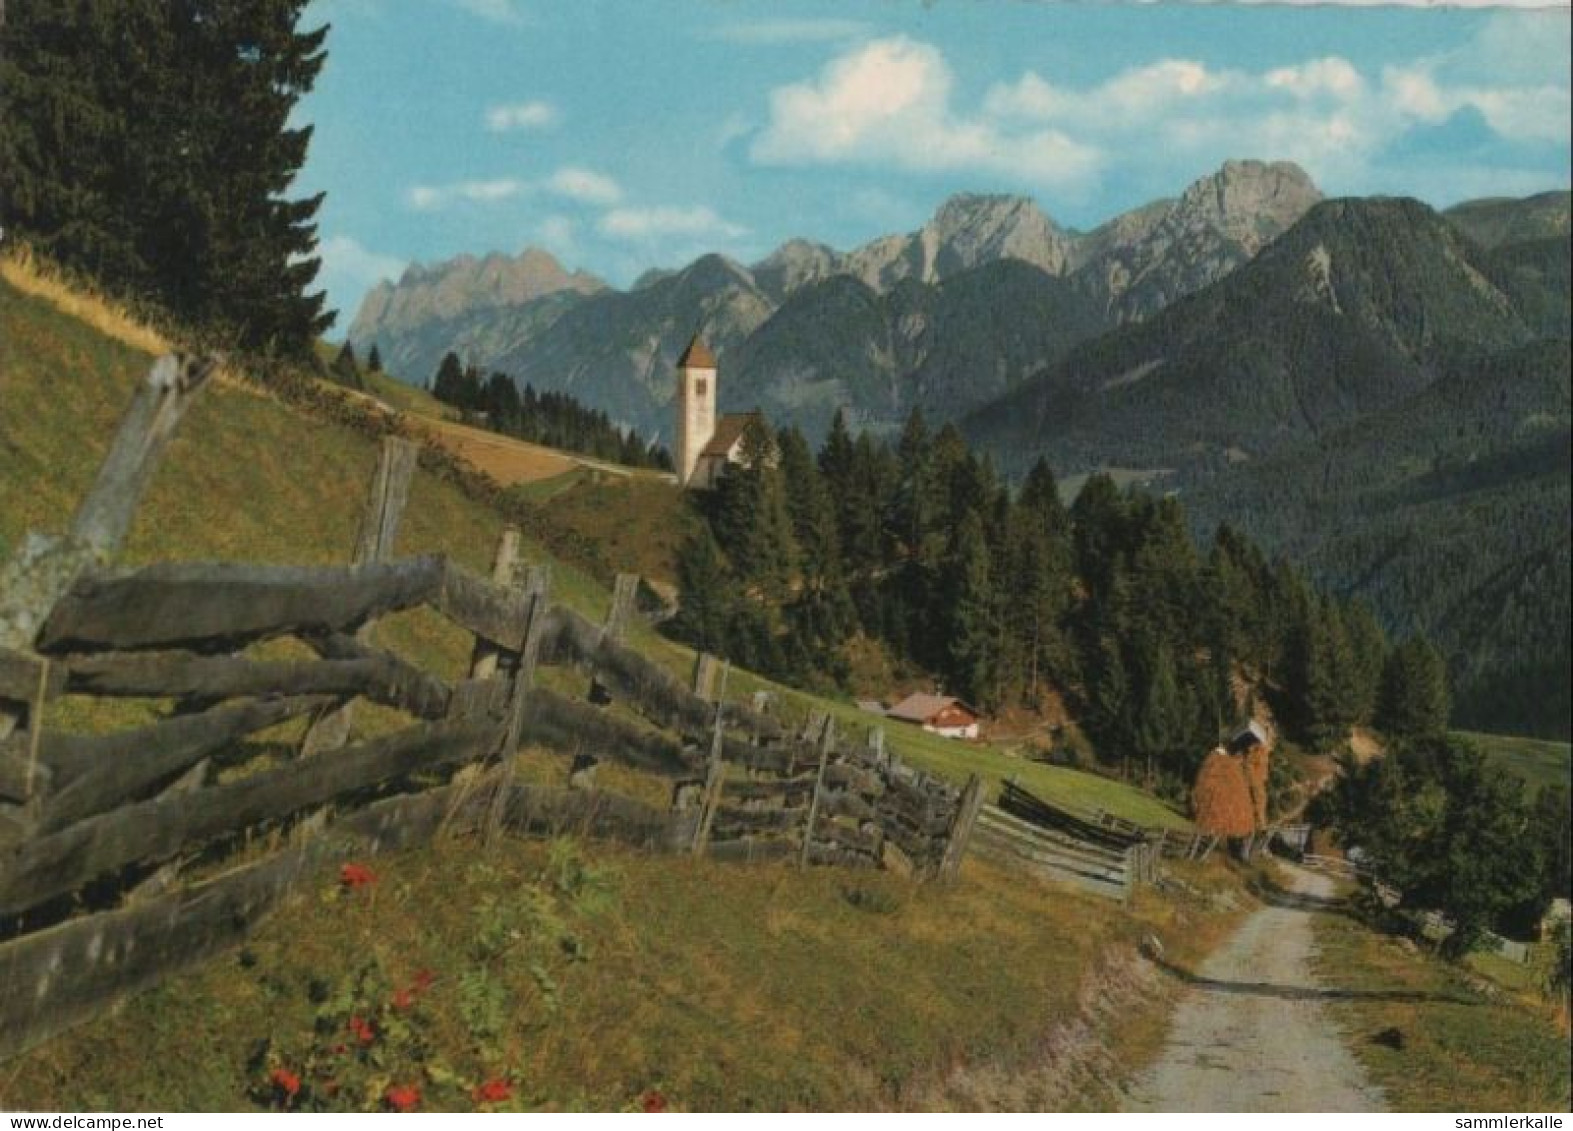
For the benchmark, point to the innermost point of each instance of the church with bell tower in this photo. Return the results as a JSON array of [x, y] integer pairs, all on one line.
[[706, 443]]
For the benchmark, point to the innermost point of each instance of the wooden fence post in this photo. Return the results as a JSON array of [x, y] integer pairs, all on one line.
[[44, 568], [826, 741], [536, 589], [390, 490], [624, 591], [483, 659], [704, 675], [966, 816], [715, 769]]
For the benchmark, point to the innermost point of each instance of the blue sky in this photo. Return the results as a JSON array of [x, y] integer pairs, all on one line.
[[621, 136]]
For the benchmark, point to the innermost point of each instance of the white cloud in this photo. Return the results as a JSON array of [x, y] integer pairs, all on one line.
[[558, 235], [1323, 113], [584, 185], [348, 259], [1131, 98], [1329, 77], [1414, 93], [1530, 45], [1541, 114], [889, 102], [771, 32], [533, 115], [429, 198], [663, 221], [505, 12]]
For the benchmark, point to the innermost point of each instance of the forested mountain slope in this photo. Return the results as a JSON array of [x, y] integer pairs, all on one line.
[[1382, 398]]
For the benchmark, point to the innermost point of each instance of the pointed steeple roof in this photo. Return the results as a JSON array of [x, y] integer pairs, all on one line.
[[697, 355]]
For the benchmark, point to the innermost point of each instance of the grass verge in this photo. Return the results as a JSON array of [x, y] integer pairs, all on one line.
[[589, 978], [1466, 1044], [1539, 762]]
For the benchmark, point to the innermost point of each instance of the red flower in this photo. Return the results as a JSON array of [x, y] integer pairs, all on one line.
[[285, 1081], [402, 1097], [652, 1101], [356, 876], [423, 980], [364, 1030], [403, 999], [493, 1091]]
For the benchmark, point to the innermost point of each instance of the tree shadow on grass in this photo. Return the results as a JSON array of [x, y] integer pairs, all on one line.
[[1302, 993]]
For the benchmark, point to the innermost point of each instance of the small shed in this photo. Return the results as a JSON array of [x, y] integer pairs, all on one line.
[[943, 715], [1251, 734]]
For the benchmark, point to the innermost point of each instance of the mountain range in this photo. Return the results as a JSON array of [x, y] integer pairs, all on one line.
[[1376, 388], [909, 336]]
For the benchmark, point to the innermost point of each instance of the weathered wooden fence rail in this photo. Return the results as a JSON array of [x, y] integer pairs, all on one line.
[[1099, 856], [126, 855]]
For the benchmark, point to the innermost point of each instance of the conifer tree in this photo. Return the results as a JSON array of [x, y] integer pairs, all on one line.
[[751, 517], [1098, 517], [448, 384], [707, 597], [149, 145], [1367, 657], [1163, 727], [970, 603], [345, 369], [1414, 699], [373, 360]]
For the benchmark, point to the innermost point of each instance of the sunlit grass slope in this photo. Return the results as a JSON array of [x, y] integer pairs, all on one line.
[[619, 975]]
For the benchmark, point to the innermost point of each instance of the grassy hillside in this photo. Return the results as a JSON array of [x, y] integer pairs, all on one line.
[[580, 977], [1466, 1044], [249, 477], [1538, 762], [720, 987], [567, 976]]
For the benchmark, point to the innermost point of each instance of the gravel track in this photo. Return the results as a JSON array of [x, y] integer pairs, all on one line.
[[1251, 1033]]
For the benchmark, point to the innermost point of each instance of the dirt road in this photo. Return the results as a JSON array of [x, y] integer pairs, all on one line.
[[1251, 1032]]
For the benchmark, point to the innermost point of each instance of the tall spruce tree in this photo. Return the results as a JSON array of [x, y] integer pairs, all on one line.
[[345, 370], [707, 594], [968, 623], [147, 144], [1414, 699], [1164, 727]]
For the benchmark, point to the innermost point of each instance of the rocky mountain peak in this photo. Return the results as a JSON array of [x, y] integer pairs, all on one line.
[[1248, 201], [970, 229], [464, 285], [794, 264], [1146, 259]]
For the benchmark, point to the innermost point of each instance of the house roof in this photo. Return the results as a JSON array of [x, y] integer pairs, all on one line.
[[728, 431], [920, 707], [1251, 734], [697, 355]]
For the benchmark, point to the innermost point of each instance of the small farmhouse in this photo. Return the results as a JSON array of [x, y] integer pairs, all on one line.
[[939, 714], [705, 443]]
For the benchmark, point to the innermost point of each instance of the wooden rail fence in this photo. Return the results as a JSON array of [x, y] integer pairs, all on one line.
[[1100, 855], [127, 855]]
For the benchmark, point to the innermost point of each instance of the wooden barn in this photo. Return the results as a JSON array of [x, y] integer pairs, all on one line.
[[940, 714]]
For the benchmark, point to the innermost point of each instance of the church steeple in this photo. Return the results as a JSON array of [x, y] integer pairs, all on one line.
[[697, 355], [696, 401]]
